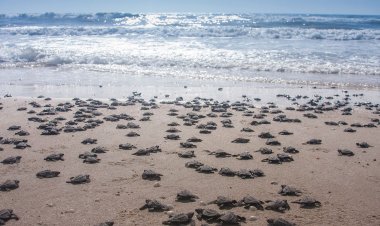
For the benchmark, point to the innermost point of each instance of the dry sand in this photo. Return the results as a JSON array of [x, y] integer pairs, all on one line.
[[347, 187]]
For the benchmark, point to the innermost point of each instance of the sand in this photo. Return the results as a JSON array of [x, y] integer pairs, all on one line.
[[347, 187]]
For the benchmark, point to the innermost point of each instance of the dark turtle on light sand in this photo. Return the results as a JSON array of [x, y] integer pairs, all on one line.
[[172, 137], [91, 160], [209, 215], [154, 206], [219, 153], [151, 175], [363, 145], [186, 196], [308, 202], [290, 149], [285, 132], [12, 160], [193, 164], [240, 140], [9, 185], [194, 140], [180, 219], [14, 127], [279, 222], [126, 146], [87, 154], [278, 205], [346, 152], [313, 142], [285, 157], [55, 157], [132, 134], [47, 174], [273, 142], [99, 150], [187, 145], [265, 135], [244, 156], [349, 130], [173, 130], [89, 141], [80, 179], [225, 171], [22, 145], [230, 218], [265, 151], [289, 190], [107, 223], [22, 133], [224, 202], [249, 201], [6, 215], [206, 169], [272, 160], [247, 130], [245, 174], [187, 154], [257, 172]]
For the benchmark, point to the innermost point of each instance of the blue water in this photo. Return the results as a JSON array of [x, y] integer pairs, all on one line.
[[245, 47]]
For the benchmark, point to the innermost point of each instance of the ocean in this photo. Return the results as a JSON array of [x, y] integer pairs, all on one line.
[[339, 50]]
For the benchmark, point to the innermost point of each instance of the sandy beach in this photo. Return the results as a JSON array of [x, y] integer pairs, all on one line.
[[346, 186]]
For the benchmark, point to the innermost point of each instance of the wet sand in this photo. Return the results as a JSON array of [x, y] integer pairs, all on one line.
[[347, 187]]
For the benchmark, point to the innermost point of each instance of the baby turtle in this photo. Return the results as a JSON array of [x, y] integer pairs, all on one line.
[[224, 202], [47, 174], [187, 154], [285, 132], [154, 206], [266, 135], [9, 185], [208, 215], [244, 156], [99, 150], [225, 171], [107, 223], [172, 137], [290, 149], [240, 140], [14, 127], [279, 222], [126, 146], [194, 140], [89, 141], [285, 157], [55, 157], [173, 124], [245, 174], [313, 142], [186, 196], [173, 130], [272, 142], [22, 133], [257, 172], [249, 201], [308, 202], [289, 190], [180, 219], [363, 145], [80, 179], [193, 164], [22, 145], [87, 154], [272, 160], [206, 169], [142, 152], [247, 130], [151, 175], [349, 130], [345, 152], [187, 145], [278, 205], [12, 160], [91, 160], [132, 134], [230, 218], [204, 131], [265, 151], [6, 215], [219, 153]]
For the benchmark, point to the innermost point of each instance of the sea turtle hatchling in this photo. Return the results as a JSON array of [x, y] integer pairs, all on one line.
[[6, 215], [279, 222], [345, 152], [272, 160], [285, 132], [87, 154], [22, 133], [89, 141], [12, 160], [313, 141], [126, 146], [206, 169], [9, 185], [186, 196], [285, 157], [172, 137], [308, 202], [363, 145], [289, 191], [244, 156], [273, 142], [91, 160], [249, 201], [278, 205], [265, 151], [80, 179], [245, 174], [180, 219], [188, 145], [132, 134], [14, 127], [225, 171], [219, 153], [151, 175], [99, 150], [22, 145], [154, 205], [231, 218], [47, 174], [107, 223], [247, 130], [194, 140], [265, 135], [193, 164], [240, 140], [224, 202], [186, 154], [55, 157], [173, 130], [290, 149], [209, 215]]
